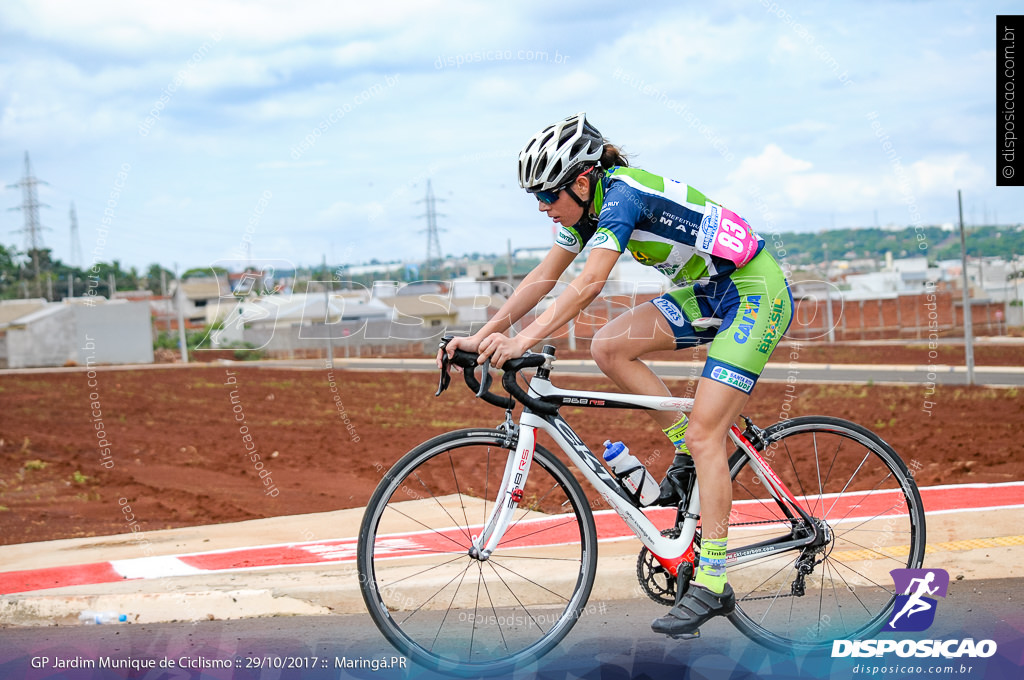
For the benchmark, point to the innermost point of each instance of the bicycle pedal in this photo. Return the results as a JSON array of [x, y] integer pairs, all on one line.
[[686, 636]]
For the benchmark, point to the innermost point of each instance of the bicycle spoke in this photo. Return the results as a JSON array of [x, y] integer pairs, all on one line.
[[487, 481], [427, 527], [511, 592], [872, 550], [774, 599], [476, 606], [821, 487], [799, 481], [433, 611], [493, 610], [439, 591], [441, 505], [458, 491], [835, 596], [884, 513], [432, 567], [538, 531], [887, 589], [772, 509], [537, 557], [853, 473], [852, 589], [848, 482], [449, 610], [527, 511], [758, 586], [529, 580]]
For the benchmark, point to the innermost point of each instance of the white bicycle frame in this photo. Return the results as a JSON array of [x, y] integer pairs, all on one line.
[[669, 552]]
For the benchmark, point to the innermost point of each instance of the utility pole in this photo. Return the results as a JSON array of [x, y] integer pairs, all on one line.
[[179, 295], [831, 333], [30, 207], [432, 265], [163, 294], [968, 329], [510, 278], [76, 244], [327, 317]]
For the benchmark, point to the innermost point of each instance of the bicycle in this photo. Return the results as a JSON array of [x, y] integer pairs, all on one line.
[[478, 549]]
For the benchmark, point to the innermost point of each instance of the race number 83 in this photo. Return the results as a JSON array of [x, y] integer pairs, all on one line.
[[732, 235]]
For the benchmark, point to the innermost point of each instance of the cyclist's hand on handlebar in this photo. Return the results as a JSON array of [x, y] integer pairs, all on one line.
[[499, 348], [469, 344]]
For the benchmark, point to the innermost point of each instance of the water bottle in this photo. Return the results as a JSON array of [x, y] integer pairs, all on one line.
[[89, 617], [631, 473]]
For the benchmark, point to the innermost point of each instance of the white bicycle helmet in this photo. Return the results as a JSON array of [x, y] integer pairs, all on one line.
[[559, 152]]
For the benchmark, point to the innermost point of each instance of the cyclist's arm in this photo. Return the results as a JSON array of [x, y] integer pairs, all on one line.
[[573, 300], [534, 287]]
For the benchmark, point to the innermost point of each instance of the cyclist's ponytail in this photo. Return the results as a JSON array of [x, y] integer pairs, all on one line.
[[613, 156]]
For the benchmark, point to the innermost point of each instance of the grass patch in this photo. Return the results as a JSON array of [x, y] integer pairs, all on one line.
[[283, 384], [78, 478], [31, 465]]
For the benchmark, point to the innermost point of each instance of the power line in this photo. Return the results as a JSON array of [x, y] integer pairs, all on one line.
[[30, 207], [76, 243], [434, 261]]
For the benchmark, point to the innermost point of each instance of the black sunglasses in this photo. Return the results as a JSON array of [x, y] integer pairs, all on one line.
[[549, 196]]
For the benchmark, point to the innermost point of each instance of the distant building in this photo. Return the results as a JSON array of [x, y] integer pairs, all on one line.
[[82, 331]]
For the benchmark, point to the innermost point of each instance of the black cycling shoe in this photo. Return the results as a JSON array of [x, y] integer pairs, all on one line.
[[678, 481], [697, 605]]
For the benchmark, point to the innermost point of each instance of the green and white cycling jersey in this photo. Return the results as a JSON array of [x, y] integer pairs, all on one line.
[[664, 224]]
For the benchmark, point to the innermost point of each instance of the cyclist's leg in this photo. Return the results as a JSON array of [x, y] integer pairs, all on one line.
[[753, 321], [618, 346]]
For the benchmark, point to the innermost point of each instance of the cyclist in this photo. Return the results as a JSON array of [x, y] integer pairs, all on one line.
[[720, 269]]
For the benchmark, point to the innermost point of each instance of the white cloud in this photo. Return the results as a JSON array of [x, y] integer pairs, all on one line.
[[112, 25], [790, 186], [942, 176]]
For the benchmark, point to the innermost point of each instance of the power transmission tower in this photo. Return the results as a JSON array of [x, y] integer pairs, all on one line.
[[30, 207], [432, 265], [76, 244]]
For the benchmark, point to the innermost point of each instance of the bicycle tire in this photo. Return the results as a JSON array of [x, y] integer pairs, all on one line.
[[401, 591], [859, 487]]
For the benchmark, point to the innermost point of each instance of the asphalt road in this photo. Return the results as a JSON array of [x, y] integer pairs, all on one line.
[[906, 375], [613, 641]]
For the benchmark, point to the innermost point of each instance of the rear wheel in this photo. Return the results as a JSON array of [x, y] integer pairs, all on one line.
[[450, 611], [869, 513]]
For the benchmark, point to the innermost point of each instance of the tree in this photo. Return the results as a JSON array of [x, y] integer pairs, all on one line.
[[204, 272], [154, 279]]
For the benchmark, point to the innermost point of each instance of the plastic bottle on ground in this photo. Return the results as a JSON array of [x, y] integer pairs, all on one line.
[[89, 617]]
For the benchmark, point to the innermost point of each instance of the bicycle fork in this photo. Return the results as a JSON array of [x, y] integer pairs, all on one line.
[[517, 470]]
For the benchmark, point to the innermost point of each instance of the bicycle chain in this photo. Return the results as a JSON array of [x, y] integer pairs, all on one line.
[[659, 596]]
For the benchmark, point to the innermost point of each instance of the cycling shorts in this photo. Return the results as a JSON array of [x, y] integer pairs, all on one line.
[[755, 306]]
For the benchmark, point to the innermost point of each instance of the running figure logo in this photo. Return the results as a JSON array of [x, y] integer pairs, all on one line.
[[915, 607]]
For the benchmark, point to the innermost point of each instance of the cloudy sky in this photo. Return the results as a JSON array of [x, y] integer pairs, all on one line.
[[311, 128]]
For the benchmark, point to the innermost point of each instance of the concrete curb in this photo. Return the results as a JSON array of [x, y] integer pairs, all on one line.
[[983, 544], [193, 605]]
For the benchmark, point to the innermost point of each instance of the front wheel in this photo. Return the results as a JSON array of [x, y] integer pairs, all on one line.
[[449, 610], [871, 520]]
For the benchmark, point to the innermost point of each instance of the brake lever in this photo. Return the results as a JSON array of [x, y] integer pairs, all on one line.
[[485, 379], [446, 378]]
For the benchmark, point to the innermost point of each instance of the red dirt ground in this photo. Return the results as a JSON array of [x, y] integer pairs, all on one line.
[[177, 457]]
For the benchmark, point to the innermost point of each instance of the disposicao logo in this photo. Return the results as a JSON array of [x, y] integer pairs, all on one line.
[[914, 611], [915, 608]]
